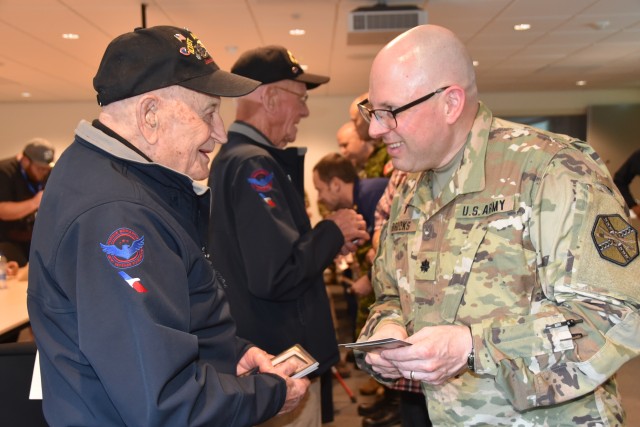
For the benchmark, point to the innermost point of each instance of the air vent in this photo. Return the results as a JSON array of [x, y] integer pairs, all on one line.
[[386, 18], [379, 24]]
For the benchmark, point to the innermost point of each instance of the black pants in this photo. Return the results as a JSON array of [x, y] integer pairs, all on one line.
[[326, 397], [413, 410]]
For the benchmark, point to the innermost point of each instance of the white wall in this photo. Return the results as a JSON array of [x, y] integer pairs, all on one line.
[[56, 121]]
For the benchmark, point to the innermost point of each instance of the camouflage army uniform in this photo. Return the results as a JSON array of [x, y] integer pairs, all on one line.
[[529, 236], [378, 166]]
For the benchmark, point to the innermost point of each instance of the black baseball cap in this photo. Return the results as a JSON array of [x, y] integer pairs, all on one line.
[[273, 63], [39, 151], [153, 58]]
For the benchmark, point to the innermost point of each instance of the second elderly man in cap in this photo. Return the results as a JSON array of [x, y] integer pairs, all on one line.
[[262, 241]]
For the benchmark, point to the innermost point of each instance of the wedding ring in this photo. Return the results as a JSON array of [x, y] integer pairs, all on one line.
[[411, 376]]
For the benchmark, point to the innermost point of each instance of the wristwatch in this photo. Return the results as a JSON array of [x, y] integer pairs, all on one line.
[[471, 361], [471, 358]]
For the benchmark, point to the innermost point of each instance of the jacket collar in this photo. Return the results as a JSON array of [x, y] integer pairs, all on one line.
[[258, 137], [113, 146]]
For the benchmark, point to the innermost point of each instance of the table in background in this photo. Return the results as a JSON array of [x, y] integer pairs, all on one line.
[[13, 308]]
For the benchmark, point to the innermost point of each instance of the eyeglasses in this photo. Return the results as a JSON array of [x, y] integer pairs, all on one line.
[[303, 97], [386, 117]]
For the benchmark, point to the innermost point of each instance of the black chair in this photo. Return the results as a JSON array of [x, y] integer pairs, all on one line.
[[16, 370]]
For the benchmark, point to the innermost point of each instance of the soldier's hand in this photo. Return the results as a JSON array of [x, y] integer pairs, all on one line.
[[378, 362], [437, 354]]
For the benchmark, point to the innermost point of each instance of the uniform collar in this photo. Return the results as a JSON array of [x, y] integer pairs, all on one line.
[[470, 175]]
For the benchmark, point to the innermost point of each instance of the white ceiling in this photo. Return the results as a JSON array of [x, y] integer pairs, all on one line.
[[593, 40]]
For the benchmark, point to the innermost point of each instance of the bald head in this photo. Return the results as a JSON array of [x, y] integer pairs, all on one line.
[[428, 64], [351, 146], [426, 56]]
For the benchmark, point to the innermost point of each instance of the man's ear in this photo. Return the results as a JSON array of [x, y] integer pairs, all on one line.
[[147, 117], [270, 98], [25, 161], [455, 98], [335, 184]]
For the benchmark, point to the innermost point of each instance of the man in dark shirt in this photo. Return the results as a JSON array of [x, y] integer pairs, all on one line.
[[22, 180], [339, 187]]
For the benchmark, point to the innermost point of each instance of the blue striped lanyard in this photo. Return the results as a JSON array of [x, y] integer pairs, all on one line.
[[34, 190]]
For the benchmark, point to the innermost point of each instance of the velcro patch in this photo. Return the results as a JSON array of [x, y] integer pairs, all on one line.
[[484, 209], [615, 239], [403, 226]]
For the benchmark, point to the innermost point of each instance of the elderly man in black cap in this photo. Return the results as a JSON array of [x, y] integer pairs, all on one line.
[[262, 241], [22, 180], [130, 319]]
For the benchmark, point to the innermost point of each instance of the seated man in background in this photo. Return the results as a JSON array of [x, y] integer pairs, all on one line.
[[131, 321], [22, 181]]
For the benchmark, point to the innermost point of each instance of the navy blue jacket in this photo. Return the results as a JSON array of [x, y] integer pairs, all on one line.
[[366, 194], [262, 243], [129, 318]]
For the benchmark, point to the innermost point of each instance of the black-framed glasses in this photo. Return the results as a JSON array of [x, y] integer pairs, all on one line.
[[302, 96], [386, 117]]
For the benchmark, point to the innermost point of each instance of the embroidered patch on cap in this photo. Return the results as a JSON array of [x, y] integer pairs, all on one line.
[[124, 248], [615, 239], [194, 47]]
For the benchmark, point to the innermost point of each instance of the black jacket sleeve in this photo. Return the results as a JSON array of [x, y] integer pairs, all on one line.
[[284, 261], [623, 177], [167, 356]]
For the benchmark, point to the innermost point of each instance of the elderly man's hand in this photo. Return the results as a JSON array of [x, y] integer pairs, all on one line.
[[296, 388], [353, 228], [255, 358]]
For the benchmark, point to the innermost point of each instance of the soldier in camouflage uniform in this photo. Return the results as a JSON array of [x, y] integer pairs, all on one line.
[[508, 260]]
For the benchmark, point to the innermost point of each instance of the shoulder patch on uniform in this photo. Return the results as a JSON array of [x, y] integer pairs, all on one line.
[[124, 248], [615, 239], [261, 180]]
